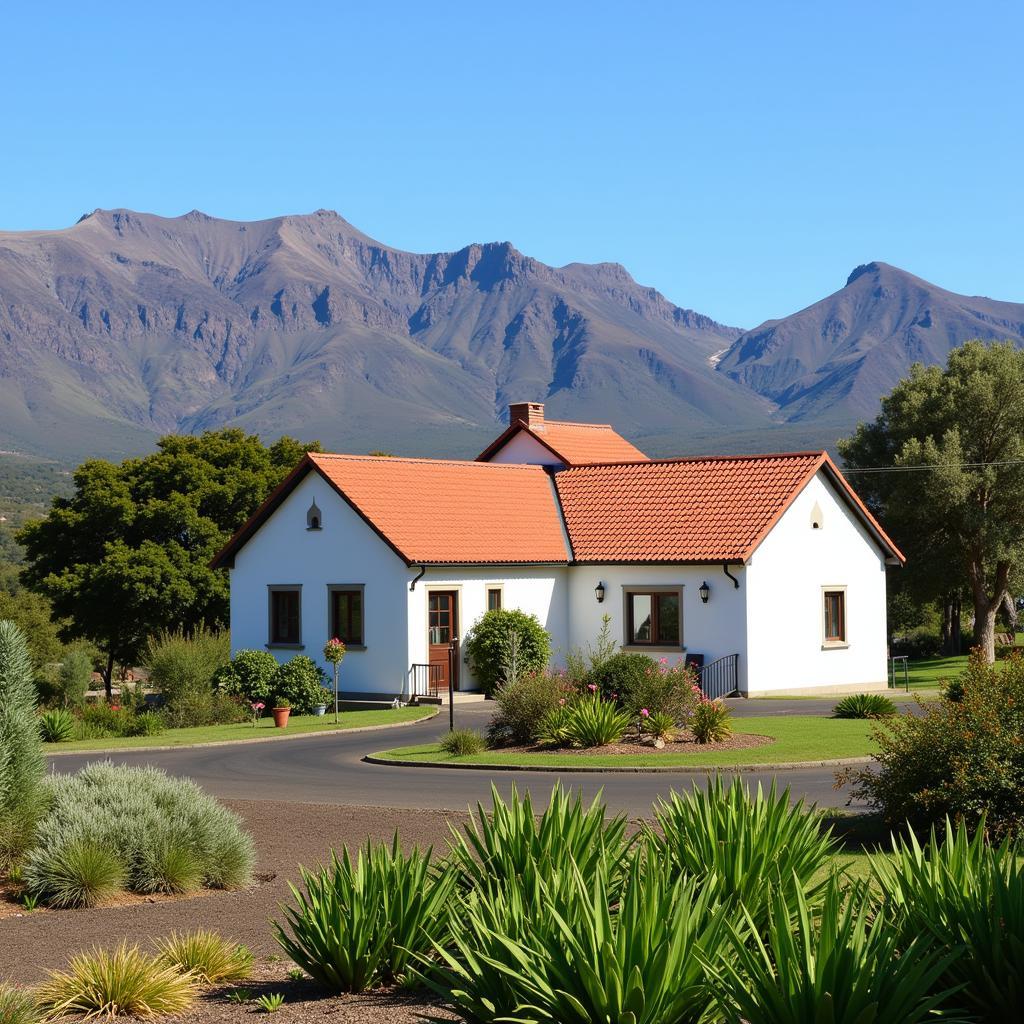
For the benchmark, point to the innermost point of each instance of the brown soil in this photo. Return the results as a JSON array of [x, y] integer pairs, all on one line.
[[286, 835], [684, 743]]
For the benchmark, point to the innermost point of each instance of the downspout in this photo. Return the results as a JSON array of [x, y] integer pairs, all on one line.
[[419, 576], [735, 582]]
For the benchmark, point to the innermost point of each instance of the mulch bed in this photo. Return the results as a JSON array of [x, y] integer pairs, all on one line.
[[684, 743]]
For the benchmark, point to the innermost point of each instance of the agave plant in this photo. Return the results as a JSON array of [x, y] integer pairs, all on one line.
[[842, 971], [509, 845], [357, 923], [864, 705], [747, 842], [57, 725], [595, 722], [962, 893]]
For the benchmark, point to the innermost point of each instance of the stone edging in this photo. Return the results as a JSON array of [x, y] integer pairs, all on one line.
[[236, 743], [630, 769]]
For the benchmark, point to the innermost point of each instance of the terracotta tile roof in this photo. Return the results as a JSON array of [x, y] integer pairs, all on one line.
[[432, 510], [575, 444], [686, 510]]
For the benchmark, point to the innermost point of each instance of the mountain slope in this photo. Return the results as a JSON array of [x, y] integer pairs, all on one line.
[[833, 360], [128, 325]]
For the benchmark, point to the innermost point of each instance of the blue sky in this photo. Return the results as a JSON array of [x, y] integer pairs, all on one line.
[[740, 157]]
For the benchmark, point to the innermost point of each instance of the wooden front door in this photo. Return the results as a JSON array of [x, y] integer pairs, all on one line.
[[442, 628]]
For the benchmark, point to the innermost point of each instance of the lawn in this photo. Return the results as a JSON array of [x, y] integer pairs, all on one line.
[[797, 738], [297, 724]]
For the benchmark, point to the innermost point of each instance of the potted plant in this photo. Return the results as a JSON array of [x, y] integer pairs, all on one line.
[[319, 710], [281, 710]]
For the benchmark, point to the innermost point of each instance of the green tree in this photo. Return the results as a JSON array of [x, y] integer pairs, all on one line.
[[960, 519], [33, 616], [21, 747], [127, 554]]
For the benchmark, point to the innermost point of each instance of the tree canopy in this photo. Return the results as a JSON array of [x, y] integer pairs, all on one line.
[[127, 554], [955, 504]]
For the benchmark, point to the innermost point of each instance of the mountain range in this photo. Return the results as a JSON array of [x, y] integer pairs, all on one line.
[[129, 325]]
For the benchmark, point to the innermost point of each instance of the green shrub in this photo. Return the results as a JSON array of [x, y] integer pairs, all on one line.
[[670, 690], [841, 970], [17, 1006], [22, 767], [509, 845], [249, 676], [592, 722], [57, 725], [126, 982], [553, 730], [522, 706], [463, 741], [504, 645], [208, 956], [107, 719], [711, 722], [74, 677], [182, 665], [864, 705], [299, 682], [965, 900], [958, 759], [214, 708], [149, 723], [166, 834], [743, 843], [620, 676], [357, 924], [79, 873]]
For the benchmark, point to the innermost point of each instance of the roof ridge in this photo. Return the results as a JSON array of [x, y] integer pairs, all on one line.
[[572, 423], [394, 459], [681, 459]]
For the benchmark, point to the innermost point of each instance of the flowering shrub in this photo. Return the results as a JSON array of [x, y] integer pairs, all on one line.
[[524, 705], [959, 758], [334, 651], [710, 722]]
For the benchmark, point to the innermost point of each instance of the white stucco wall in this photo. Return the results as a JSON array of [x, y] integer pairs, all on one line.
[[345, 550], [522, 448], [785, 580], [714, 629]]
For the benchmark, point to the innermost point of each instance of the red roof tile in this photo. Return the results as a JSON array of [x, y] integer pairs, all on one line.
[[686, 510], [574, 444]]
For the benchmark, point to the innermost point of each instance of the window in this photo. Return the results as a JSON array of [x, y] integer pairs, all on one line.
[[285, 616], [345, 603], [835, 616], [654, 618], [493, 599]]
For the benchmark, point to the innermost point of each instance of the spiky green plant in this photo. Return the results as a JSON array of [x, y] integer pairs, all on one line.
[[57, 725], [17, 1006], [659, 724], [125, 982], [961, 894], [22, 767], [508, 845], [460, 742], [270, 1002], [594, 722], [79, 873], [864, 705], [710, 722], [356, 923], [745, 842], [207, 955], [840, 969]]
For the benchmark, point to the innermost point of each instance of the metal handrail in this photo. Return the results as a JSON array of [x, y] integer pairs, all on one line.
[[426, 679], [719, 678]]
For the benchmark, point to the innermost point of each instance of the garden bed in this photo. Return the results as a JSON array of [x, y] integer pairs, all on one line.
[[631, 746]]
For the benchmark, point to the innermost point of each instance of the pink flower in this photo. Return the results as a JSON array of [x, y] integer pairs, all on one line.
[[257, 705], [644, 713], [591, 687], [663, 661]]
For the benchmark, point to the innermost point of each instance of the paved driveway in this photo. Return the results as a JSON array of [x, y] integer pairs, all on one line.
[[329, 769]]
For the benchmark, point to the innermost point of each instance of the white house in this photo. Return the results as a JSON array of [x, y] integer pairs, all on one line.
[[768, 569]]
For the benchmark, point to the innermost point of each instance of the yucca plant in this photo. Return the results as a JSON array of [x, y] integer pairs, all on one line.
[[840, 970], [710, 722], [962, 893], [509, 844], [17, 1006], [208, 956], [57, 725], [125, 982], [595, 722], [553, 730], [746, 842], [356, 923], [864, 705], [659, 724]]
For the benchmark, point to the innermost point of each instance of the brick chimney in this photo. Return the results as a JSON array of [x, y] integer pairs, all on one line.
[[530, 413]]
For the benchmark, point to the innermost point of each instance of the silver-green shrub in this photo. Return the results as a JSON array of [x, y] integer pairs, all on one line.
[[167, 833], [22, 767]]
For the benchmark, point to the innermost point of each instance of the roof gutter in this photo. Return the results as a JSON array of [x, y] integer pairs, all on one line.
[[735, 582], [417, 578]]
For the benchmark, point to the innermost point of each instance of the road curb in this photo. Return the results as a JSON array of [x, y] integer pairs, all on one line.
[[240, 743], [395, 762]]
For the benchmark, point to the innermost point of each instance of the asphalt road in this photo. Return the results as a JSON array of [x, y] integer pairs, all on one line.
[[329, 770]]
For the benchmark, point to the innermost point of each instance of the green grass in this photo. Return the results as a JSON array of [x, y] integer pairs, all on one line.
[[245, 730], [797, 738]]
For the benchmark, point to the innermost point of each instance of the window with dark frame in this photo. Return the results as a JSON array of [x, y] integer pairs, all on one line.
[[493, 599], [654, 618], [285, 615], [835, 616], [346, 624]]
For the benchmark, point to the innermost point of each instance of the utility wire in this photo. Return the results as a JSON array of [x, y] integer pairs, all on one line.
[[926, 469]]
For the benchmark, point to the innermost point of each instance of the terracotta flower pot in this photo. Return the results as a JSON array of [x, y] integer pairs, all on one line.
[[281, 717]]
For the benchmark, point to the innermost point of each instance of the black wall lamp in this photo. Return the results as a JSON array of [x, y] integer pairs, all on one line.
[[599, 592], [705, 591]]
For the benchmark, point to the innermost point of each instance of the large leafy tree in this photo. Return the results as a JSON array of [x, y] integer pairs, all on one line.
[[127, 555], [955, 500]]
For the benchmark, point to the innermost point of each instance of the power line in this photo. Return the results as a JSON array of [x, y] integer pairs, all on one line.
[[927, 469]]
